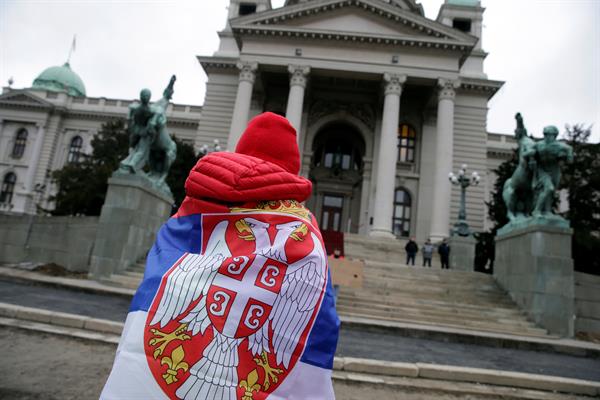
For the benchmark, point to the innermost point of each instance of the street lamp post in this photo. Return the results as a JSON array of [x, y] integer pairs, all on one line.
[[461, 228], [205, 149]]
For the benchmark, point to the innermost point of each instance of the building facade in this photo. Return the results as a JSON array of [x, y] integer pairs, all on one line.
[[386, 103], [52, 123]]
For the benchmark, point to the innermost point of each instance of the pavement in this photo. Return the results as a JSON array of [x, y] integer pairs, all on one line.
[[45, 366], [77, 309]]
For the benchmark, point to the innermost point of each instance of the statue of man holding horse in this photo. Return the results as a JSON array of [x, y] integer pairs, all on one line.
[[529, 192], [149, 142], [517, 191], [550, 155]]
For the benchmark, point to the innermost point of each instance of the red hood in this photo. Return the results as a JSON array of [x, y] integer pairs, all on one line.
[[240, 178]]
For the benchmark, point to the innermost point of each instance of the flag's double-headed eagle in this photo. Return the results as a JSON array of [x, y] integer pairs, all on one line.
[[215, 374]]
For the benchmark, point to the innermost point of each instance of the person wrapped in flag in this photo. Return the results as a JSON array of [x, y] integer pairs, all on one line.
[[236, 300]]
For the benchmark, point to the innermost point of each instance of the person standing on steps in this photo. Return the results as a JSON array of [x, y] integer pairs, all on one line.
[[411, 251], [444, 252], [427, 250]]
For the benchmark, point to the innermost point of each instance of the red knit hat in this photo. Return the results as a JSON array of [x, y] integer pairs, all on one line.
[[272, 138]]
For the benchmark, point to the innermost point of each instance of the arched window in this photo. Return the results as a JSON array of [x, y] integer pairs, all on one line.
[[339, 147], [75, 149], [20, 143], [401, 221], [8, 187], [406, 143]]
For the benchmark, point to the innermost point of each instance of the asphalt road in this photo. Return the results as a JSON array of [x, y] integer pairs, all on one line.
[[353, 342]]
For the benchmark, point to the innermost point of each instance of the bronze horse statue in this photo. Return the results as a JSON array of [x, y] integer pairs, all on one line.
[[150, 146], [517, 191]]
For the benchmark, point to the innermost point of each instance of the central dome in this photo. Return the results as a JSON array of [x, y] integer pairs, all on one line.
[[60, 79]]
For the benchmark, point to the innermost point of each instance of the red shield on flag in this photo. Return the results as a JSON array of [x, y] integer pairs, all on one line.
[[242, 291]]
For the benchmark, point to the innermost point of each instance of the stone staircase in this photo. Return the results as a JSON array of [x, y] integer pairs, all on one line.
[[392, 291], [130, 278], [374, 249]]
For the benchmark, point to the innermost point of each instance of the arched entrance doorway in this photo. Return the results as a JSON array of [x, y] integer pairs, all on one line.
[[336, 172]]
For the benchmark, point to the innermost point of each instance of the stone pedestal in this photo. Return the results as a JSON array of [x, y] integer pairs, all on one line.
[[534, 265], [131, 215], [462, 253]]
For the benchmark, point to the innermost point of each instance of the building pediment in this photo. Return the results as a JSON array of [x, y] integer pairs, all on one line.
[[410, 5], [23, 98], [373, 21]]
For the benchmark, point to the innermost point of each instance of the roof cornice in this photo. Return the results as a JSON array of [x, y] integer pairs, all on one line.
[[488, 86], [210, 63], [421, 24], [409, 41], [107, 116], [10, 100]]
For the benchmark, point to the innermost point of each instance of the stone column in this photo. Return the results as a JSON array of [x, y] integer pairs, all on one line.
[[298, 78], [241, 109], [32, 170], [388, 156], [442, 189], [35, 156]]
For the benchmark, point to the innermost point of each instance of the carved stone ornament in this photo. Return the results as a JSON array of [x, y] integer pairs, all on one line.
[[298, 75], [321, 108], [247, 71], [447, 88], [393, 83]]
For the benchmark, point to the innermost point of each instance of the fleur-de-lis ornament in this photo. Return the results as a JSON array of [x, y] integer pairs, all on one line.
[[249, 385], [164, 338], [174, 363]]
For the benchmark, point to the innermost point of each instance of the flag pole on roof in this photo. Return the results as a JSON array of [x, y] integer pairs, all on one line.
[[72, 49]]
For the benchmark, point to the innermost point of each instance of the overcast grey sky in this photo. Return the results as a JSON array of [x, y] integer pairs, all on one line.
[[547, 51]]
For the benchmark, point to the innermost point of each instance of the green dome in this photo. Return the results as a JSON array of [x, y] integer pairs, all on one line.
[[60, 79]]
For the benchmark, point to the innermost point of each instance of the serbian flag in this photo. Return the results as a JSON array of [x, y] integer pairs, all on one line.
[[236, 300]]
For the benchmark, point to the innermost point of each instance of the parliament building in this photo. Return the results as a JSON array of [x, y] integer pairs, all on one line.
[[386, 103]]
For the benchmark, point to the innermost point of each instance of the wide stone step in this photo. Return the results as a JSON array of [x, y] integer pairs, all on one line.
[[479, 313], [138, 268], [125, 280], [398, 301], [442, 314], [452, 323], [450, 275], [455, 296]]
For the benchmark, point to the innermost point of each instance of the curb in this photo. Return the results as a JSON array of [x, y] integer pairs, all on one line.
[[445, 334], [108, 331], [84, 285], [61, 319], [465, 374]]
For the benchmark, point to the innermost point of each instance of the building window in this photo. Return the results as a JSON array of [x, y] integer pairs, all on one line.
[[331, 216], [462, 24], [247, 8], [8, 187], [75, 150], [401, 220], [339, 147], [406, 143], [20, 143]]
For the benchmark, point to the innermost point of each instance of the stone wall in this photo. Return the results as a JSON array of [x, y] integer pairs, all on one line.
[[534, 265], [470, 113], [67, 241], [221, 91], [587, 303]]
